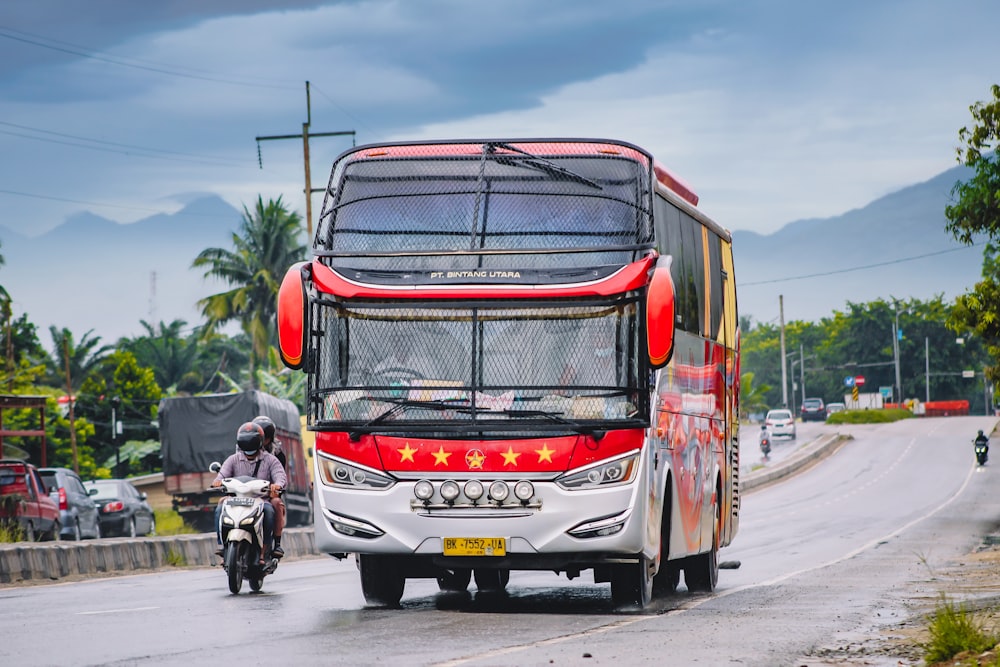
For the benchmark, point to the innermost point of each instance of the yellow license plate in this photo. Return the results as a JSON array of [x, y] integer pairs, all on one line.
[[475, 546]]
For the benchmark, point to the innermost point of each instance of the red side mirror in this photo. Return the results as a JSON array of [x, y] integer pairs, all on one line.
[[660, 314], [293, 316]]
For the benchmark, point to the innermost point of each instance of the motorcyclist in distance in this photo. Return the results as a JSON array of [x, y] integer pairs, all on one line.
[[764, 440], [983, 439], [273, 446], [252, 460]]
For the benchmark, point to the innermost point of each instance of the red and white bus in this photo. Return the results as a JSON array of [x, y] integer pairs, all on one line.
[[521, 355]]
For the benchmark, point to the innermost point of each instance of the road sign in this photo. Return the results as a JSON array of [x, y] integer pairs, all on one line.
[[859, 380], [854, 392], [886, 392], [965, 374], [849, 381]]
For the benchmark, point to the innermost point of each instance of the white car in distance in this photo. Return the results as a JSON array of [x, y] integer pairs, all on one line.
[[780, 423]]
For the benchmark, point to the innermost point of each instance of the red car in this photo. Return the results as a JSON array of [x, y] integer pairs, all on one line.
[[24, 499]]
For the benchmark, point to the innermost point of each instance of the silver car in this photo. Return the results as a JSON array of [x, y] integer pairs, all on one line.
[[780, 423]]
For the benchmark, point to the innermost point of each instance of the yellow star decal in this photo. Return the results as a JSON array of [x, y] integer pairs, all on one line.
[[406, 453], [545, 454], [441, 456], [510, 457]]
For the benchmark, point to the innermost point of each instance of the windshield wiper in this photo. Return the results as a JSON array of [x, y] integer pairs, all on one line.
[[540, 163], [557, 417], [404, 404]]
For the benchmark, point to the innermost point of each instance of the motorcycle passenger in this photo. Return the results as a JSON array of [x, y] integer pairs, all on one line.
[[984, 441], [251, 460], [273, 446]]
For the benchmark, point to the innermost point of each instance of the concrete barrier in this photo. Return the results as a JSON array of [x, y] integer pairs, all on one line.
[[52, 561], [815, 451]]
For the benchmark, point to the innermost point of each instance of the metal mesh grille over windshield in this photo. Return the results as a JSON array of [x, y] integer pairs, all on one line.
[[405, 364], [405, 206]]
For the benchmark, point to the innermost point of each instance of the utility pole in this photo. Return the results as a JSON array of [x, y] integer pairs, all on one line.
[[305, 155], [784, 372], [72, 399]]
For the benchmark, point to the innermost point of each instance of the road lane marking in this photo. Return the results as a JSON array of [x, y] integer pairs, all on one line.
[[115, 611]]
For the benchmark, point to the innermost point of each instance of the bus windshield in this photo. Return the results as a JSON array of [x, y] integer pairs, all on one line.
[[488, 204], [499, 364]]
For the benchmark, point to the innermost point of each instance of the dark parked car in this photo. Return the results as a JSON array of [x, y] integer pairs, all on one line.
[[124, 510], [77, 512], [813, 409]]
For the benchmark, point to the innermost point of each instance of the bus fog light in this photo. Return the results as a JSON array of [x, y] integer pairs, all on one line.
[[524, 490], [474, 490], [499, 491], [423, 490], [449, 491]]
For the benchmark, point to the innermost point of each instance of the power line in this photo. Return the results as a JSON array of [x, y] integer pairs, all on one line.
[[115, 147], [860, 268], [85, 52]]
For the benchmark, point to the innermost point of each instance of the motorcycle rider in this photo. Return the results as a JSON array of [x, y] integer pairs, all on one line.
[[252, 460], [983, 440], [273, 446], [764, 440]]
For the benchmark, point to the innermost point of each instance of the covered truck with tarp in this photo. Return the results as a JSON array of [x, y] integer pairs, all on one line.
[[196, 430]]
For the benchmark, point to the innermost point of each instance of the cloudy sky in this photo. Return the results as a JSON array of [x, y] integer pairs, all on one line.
[[772, 110]]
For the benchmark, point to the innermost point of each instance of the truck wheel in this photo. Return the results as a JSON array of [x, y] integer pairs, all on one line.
[[454, 581]]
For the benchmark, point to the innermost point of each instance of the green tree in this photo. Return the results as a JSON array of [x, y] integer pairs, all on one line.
[[172, 356], [977, 211], [267, 243], [752, 396], [120, 377], [79, 357]]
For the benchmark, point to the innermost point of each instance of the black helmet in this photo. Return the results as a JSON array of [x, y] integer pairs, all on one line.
[[980, 433], [249, 438], [267, 425]]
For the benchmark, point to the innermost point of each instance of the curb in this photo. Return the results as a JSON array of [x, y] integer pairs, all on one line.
[[25, 561], [812, 453]]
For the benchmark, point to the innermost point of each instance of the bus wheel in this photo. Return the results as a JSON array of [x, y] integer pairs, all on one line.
[[632, 583], [491, 581], [701, 572], [454, 581], [666, 580], [382, 581]]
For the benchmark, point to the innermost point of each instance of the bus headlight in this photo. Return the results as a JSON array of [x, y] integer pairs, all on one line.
[[523, 490], [606, 473], [337, 472]]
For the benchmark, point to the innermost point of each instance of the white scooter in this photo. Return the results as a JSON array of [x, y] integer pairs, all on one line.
[[241, 525]]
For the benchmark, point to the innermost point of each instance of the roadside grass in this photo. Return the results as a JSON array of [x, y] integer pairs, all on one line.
[[955, 633], [10, 531], [169, 522], [878, 416], [175, 558]]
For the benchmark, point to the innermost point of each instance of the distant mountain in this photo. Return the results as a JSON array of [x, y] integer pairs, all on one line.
[[895, 246], [94, 273]]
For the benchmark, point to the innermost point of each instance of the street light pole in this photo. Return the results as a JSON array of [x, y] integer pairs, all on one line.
[[896, 335]]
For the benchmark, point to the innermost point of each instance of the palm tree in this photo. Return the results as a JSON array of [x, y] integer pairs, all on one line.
[[265, 246], [752, 398], [172, 355], [78, 358]]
